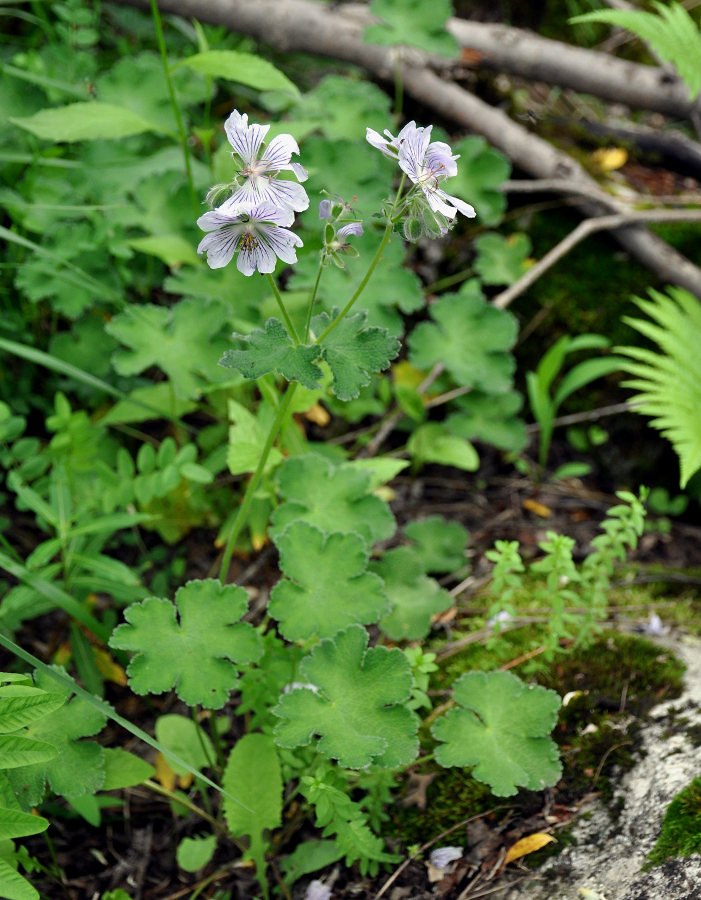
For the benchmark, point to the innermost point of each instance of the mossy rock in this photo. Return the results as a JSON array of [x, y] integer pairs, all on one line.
[[681, 827]]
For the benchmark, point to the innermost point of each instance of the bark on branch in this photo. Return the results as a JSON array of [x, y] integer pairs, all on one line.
[[304, 25]]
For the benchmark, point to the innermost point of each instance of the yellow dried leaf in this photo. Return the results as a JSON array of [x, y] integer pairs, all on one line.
[[404, 373], [318, 415], [608, 159], [164, 773], [111, 670], [528, 844], [540, 509]]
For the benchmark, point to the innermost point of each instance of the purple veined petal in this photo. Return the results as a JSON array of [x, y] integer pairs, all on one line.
[[379, 143], [299, 171], [413, 151], [352, 229], [325, 209], [244, 138], [460, 205], [440, 160], [444, 203], [220, 245], [282, 193], [255, 254], [282, 242], [218, 218], [278, 153], [271, 212]]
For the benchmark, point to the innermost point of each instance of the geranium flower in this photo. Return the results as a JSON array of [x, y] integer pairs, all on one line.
[[257, 180], [427, 163], [257, 234]]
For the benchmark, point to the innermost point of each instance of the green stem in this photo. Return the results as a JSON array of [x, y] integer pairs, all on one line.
[[285, 315], [312, 300], [255, 480], [361, 287], [184, 801], [176, 109]]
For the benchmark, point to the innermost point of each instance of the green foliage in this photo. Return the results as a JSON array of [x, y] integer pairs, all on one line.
[[668, 383], [439, 545], [670, 32], [332, 498], [194, 853], [186, 739], [327, 585], [194, 645], [480, 172], [469, 337], [545, 400], [85, 122], [252, 776], [414, 23], [501, 728], [242, 68], [354, 701], [432, 442], [501, 260], [680, 834], [491, 418]]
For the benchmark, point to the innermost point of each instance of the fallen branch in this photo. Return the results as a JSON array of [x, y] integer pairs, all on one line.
[[304, 25]]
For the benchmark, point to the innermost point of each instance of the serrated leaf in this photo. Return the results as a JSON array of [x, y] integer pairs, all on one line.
[[194, 853], [252, 776], [439, 545], [471, 338], [333, 498], [340, 107], [16, 712], [198, 655], [481, 170], [414, 596], [85, 122], [77, 768], [490, 418], [414, 23], [183, 340], [501, 728], [273, 350], [353, 351], [356, 704], [500, 259], [327, 585]]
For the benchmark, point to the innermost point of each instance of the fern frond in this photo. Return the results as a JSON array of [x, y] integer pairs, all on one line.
[[669, 382], [671, 34]]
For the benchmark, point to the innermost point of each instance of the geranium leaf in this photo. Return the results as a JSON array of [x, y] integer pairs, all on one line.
[[481, 170], [197, 655], [501, 727], [501, 260], [439, 545], [414, 596], [469, 337], [432, 442], [491, 418], [355, 702], [272, 350], [333, 498], [326, 586], [415, 23], [353, 351], [183, 340]]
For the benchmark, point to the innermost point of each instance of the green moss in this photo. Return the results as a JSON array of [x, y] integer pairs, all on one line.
[[681, 827]]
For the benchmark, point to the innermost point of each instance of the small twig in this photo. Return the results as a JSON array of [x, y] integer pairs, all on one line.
[[590, 416], [524, 657], [397, 872], [583, 230], [605, 757]]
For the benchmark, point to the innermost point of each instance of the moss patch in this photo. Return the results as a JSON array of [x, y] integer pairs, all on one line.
[[681, 827]]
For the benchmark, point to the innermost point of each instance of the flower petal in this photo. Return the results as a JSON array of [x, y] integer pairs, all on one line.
[[279, 151], [220, 245], [244, 138]]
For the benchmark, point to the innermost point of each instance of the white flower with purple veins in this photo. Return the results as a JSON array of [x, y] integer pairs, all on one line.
[[257, 179], [426, 162], [258, 235]]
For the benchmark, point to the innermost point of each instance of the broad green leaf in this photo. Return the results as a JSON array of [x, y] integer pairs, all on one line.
[[272, 350], [78, 766], [355, 702], [13, 886], [14, 824], [308, 857], [197, 655], [182, 340], [341, 107], [471, 338], [243, 68], [381, 468], [353, 351], [252, 775], [414, 23], [247, 437], [326, 584], [501, 260], [16, 750], [153, 401], [584, 373], [333, 498], [433, 443], [502, 728], [85, 122], [439, 545], [172, 249], [481, 170], [413, 596], [16, 712], [187, 740], [124, 769], [491, 418], [194, 853]]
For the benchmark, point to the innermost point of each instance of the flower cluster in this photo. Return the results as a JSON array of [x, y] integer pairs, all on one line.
[[427, 209], [335, 212], [253, 220]]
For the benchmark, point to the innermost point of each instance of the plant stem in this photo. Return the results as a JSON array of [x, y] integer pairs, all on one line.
[[285, 315], [312, 300], [240, 519], [174, 102], [184, 801]]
